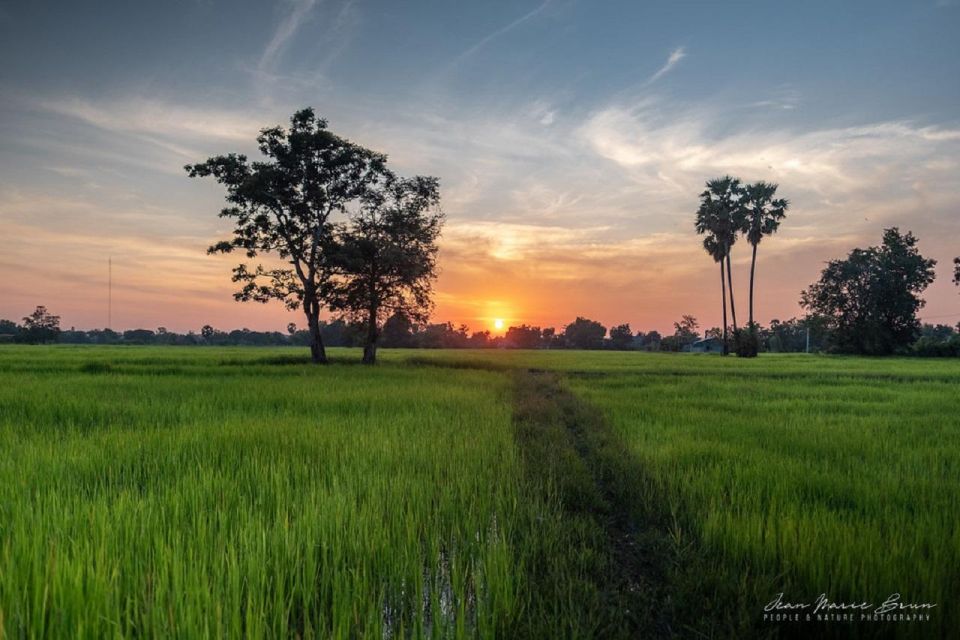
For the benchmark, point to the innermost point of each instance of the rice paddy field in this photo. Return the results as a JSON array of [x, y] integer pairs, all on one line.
[[225, 492]]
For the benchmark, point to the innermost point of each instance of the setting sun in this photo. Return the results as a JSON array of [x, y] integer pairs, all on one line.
[[498, 324]]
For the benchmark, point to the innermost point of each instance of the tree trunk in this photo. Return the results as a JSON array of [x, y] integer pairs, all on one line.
[[753, 267], [733, 306], [373, 333], [754, 339], [723, 291], [317, 353]]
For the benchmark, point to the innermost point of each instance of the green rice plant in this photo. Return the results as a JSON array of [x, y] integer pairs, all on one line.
[[212, 492]]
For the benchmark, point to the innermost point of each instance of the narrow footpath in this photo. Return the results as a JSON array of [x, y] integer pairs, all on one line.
[[619, 540]]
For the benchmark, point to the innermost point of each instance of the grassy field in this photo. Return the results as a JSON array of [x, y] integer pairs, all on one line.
[[220, 492]]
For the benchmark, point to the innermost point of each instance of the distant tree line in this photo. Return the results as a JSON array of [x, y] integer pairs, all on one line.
[[795, 335]]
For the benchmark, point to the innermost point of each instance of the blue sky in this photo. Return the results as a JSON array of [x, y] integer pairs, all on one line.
[[571, 139]]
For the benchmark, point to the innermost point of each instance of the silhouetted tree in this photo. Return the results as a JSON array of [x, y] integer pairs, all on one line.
[[387, 258], [550, 339], [871, 298], [685, 331], [956, 271], [283, 206], [522, 337], [138, 336], [717, 251], [721, 215], [442, 336], [937, 341], [479, 340], [621, 337], [714, 332], [397, 331], [763, 213], [649, 341], [9, 328], [584, 334], [40, 327]]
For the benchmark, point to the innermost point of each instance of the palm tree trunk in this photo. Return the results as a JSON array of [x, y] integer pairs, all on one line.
[[733, 306], [754, 340], [723, 291], [753, 266]]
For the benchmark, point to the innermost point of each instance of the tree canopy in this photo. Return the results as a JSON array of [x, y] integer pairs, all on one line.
[[282, 206], [386, 256], [40, 327], [870, 299], [584, 334]]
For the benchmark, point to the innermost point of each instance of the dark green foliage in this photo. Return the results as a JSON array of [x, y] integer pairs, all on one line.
[[584, 334], [397, 332], [40, 327], [442, 335], [870, 300], [139, 336], [930, 347], [937, 341], [790, 336], [9, 328], [621, 337], [523, 337], [685, 334]]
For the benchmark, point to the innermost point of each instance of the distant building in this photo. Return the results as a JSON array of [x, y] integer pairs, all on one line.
[[707, 345]]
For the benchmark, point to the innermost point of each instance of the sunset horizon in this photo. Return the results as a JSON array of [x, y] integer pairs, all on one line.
[[569, 176]]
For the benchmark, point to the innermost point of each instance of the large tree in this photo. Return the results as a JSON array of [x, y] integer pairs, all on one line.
[[870, 300], [282, 206], [387, 256], [956, 271], [762, 215]]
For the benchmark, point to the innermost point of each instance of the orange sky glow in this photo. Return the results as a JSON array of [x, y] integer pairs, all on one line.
[[571, 141]]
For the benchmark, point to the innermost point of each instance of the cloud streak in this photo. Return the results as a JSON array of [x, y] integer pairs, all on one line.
[[284, 32], [483, 42], [673, 60]]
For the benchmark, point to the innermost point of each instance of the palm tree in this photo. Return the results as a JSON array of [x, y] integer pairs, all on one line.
[[763, 214], [712, 246], [721, 214]]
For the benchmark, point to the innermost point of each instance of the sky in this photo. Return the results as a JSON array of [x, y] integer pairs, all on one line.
[[571, 139]]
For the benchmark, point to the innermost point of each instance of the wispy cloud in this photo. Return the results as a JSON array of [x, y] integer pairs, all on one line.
[[285, 31], [673, 60], [500, 32], [155, 117], [784, 97], [604, 195]]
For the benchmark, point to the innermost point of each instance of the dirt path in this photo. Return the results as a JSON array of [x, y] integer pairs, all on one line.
[[570, 453]]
